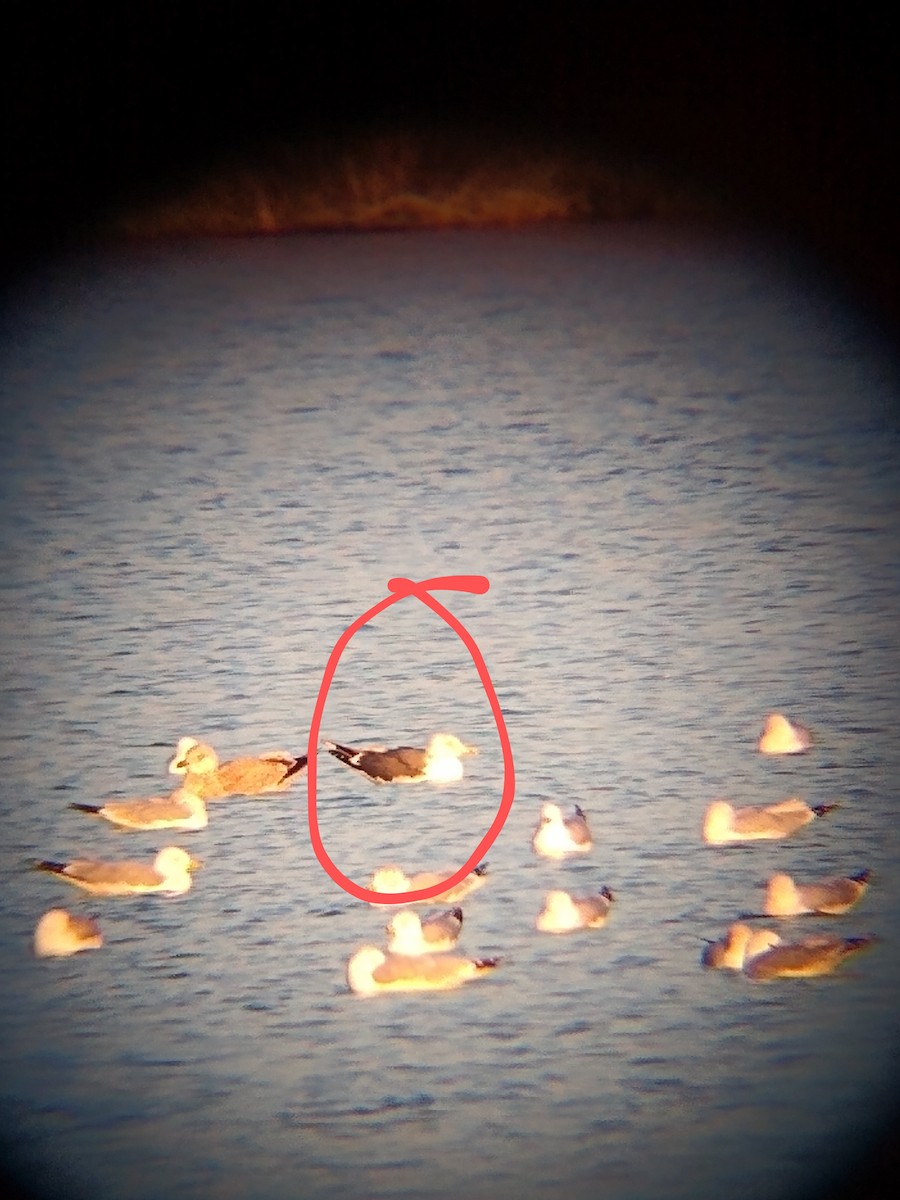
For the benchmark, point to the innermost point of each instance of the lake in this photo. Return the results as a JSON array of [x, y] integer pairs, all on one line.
[[674, 455]]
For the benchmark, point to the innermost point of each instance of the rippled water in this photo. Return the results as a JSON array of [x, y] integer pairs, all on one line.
[[676, 463]]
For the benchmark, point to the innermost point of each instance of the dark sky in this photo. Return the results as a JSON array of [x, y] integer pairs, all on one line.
[[791, 108]]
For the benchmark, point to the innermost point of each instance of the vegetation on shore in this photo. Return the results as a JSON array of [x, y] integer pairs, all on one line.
[[402, 182]]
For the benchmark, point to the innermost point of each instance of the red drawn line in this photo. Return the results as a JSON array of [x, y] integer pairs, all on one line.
[[400, 589]]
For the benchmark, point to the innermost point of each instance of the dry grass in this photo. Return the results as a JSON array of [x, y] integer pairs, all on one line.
[[402, 183]]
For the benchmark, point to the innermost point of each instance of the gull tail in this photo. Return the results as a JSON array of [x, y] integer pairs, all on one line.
[[55, 868], [299, 763], [853, 944], [821, 809], [343, 754]]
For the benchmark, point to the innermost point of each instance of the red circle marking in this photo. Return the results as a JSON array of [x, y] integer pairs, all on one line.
[[400, 589]]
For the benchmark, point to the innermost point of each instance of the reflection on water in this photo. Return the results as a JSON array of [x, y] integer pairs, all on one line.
[[679, 473]]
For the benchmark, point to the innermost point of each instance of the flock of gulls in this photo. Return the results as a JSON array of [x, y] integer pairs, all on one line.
[[760, 953], [420, 952], [59, 932], [205, 778]]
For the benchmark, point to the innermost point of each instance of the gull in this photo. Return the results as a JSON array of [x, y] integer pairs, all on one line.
[[183, 809], [562, 913], [781, 736], [371, 970], [556, 836], [203, 774], [392, 879], [723, 823], [59, 933], [169, 873], [439, 762], [833, 896], [408, 934], [811, 956], [739, 943]]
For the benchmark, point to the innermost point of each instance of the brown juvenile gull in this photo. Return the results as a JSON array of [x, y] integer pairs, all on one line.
[[409, 934], [371, 970], [169, 873], [562, 913], [439, 762], [181, 810], [272, 771], [739, 944], [392, 879], [810, 956], [59, 933], [723, 823], [787, 898], [555, 836], [781, 736]]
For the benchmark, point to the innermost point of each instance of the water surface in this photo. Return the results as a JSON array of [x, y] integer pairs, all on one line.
[[675, 460]]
